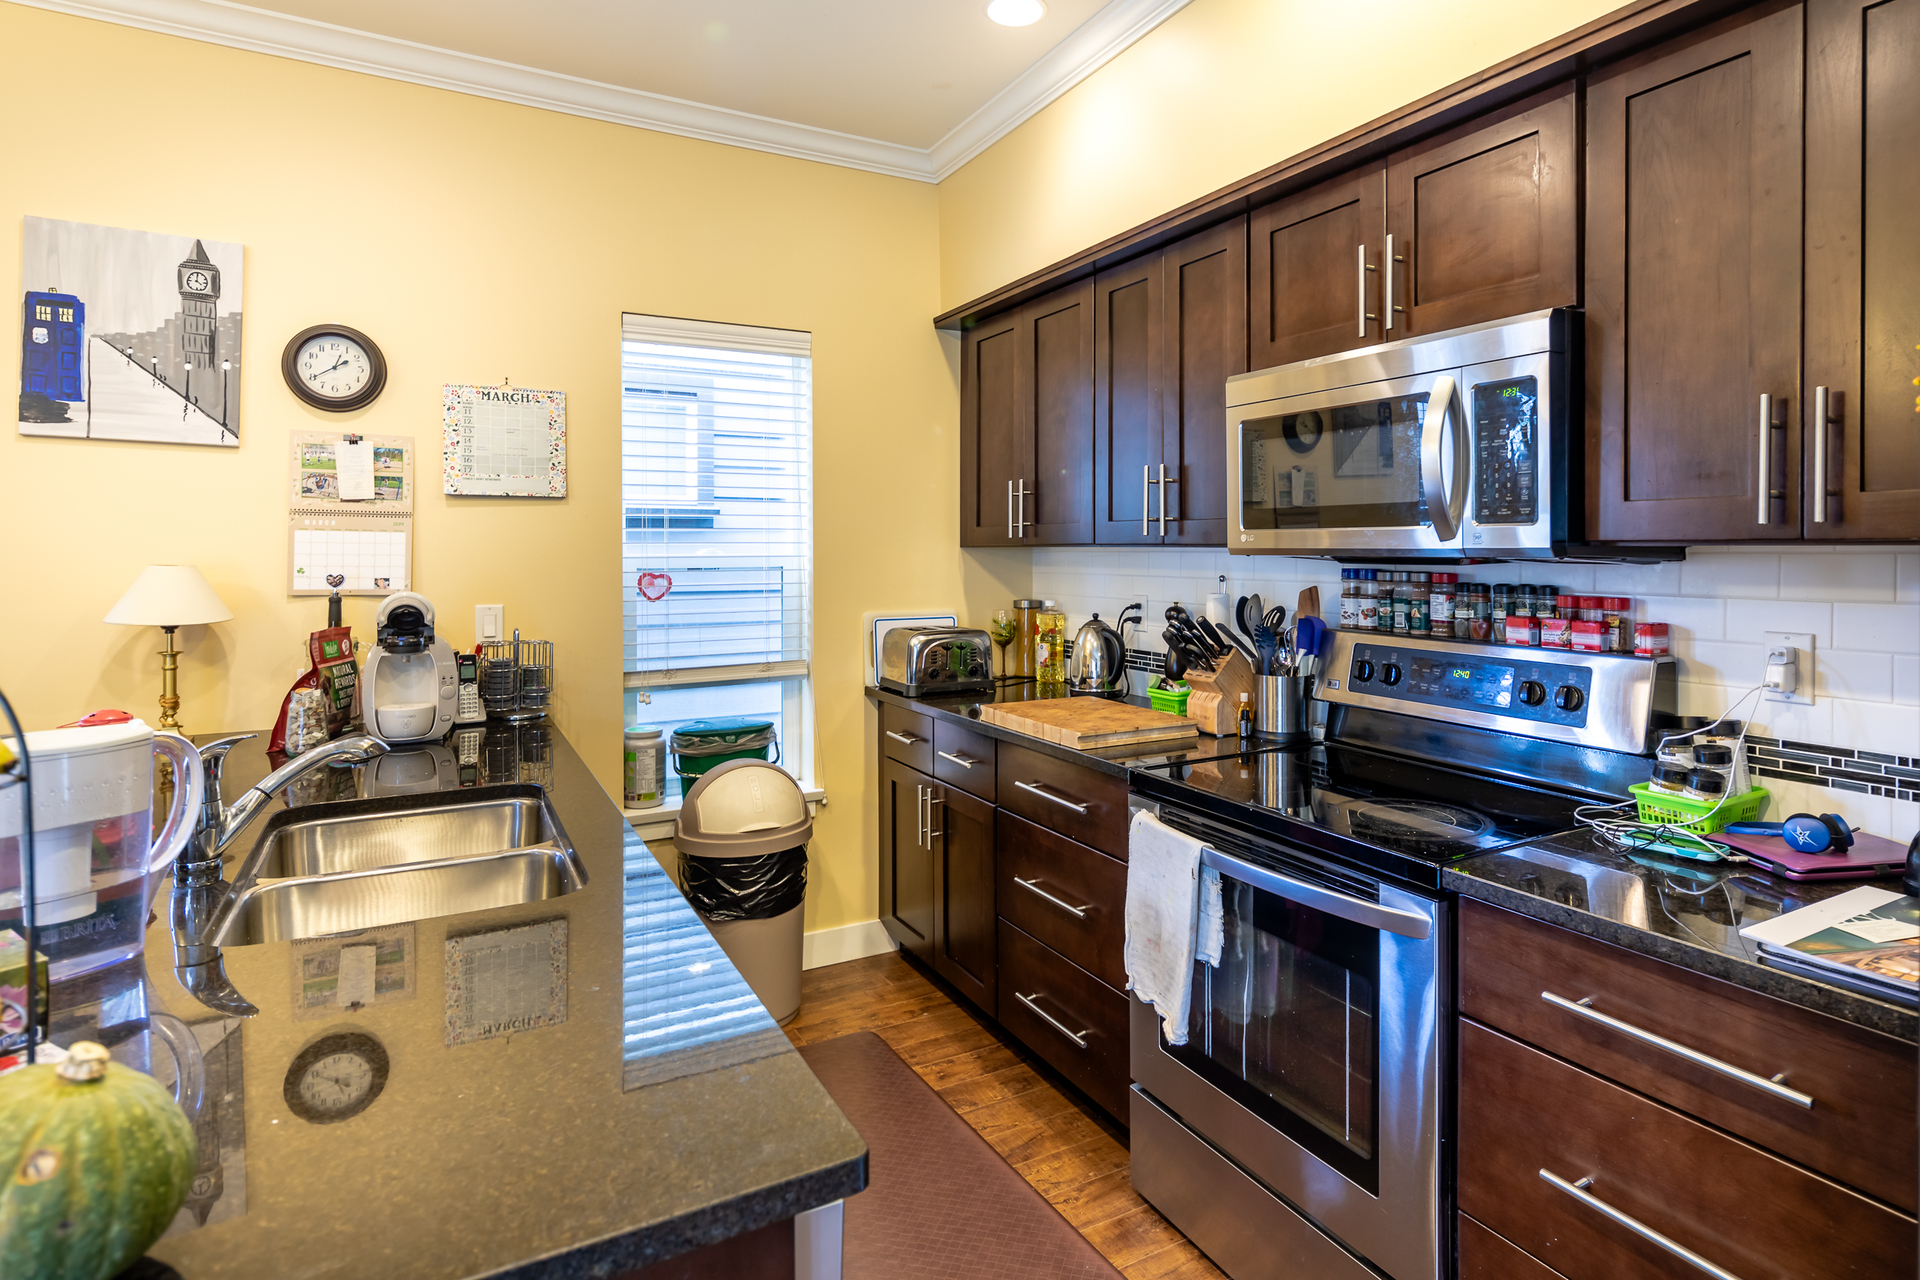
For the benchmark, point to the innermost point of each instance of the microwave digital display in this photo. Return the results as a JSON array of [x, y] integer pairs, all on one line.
[[1506, 419]]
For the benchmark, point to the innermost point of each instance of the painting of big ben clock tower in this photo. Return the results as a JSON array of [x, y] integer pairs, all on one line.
[[129, 335]]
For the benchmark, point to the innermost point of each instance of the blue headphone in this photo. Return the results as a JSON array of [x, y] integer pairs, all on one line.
[[1803, 832]]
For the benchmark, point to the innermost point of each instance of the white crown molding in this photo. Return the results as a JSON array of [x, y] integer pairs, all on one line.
[[239, 26]]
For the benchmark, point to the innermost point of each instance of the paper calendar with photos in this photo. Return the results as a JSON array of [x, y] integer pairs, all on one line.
[[504, 442], [350, 514]]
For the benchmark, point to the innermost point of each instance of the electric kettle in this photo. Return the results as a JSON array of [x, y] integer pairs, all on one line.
[[1099, 665]]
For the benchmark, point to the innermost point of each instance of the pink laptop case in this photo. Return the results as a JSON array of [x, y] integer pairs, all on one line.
[[1870, 856]]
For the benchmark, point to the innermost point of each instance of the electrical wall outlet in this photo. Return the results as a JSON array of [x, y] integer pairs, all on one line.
[[1799, 647], [489, 622]]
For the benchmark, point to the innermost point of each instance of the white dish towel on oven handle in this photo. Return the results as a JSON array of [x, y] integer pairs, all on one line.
[[1173, 915]]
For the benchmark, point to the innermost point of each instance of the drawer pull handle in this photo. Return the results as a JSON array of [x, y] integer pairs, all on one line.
[[1079, 1039], [1578, 1190], [1773, 1086], [906, 738], [965, 762], [1048, 795], [1033, 886]]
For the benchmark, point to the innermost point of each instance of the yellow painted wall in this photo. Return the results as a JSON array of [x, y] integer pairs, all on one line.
[[1220, 90], [473, 240]]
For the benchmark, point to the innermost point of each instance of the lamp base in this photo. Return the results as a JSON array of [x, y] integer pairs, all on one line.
[[169, 685]]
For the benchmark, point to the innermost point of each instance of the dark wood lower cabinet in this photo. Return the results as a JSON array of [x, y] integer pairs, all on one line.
[[906, 862], [1068, 896], [1487, 1256], [961, 833], [1067, 1016]]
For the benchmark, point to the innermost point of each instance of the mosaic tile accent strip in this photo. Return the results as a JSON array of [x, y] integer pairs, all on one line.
[[1868, 773]]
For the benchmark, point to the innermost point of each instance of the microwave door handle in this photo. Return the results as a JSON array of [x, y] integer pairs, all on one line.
[[1407, 924], [1446, 503]]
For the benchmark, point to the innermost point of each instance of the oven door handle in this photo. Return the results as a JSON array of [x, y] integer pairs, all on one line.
[[1446, 502], [1407, 924]]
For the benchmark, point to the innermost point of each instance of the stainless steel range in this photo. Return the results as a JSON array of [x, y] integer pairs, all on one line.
[[1304, 1129]]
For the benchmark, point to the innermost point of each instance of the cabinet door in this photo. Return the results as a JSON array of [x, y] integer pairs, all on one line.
[[1310, 294], [1863, 268], [1204, 343], [996, 435], [1058, 330], [962, 839], [1485, 220], [906, 860], [1693, 286], [1126, 401]]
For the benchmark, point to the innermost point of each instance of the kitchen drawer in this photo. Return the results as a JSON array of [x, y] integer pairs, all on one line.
[[1076, 801], [1485, 1255], [1065, 895], [1089, 1044], [907, 736], [1861, 1127], [1524, 1115], [963, 758]]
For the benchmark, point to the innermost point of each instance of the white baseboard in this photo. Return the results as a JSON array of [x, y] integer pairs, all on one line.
[[823, 947]]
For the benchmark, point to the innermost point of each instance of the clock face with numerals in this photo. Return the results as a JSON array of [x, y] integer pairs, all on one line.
[[336, 1077], [197, 281], [333, 367]]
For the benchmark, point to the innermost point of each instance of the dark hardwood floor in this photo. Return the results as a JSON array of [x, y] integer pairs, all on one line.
[[1070, 1152]]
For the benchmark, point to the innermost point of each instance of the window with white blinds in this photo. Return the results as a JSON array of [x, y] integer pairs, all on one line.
[[716, 424]]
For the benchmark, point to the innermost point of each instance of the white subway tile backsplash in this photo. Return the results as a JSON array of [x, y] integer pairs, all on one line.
[[1722, 662], [1661, 579], [1749, 619], [1846, 575], [1687, 619], [1906, 680], [1890, 628], [1571, 579], [1865, 677], [1875, 726], [1749, 576], [1906, 575]]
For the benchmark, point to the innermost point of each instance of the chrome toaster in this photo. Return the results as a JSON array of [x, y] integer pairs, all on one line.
[[922, 661]]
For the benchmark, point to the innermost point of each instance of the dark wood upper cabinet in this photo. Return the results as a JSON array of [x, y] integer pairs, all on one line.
[[1169, 329], [1313, 263], [1484, 220], [964, 948], [1863, 269], [1026, 424], [1693, 286]]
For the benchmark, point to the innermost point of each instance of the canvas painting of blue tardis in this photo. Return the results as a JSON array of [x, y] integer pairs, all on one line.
[[129, 335]]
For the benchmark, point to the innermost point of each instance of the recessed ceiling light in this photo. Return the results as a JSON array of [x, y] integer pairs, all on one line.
[[1017, 13]]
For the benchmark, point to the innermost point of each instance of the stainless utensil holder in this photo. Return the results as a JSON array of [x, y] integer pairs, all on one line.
[[1280, 707]]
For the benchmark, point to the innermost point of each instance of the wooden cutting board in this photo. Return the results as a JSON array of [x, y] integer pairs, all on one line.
[[1088, 723]]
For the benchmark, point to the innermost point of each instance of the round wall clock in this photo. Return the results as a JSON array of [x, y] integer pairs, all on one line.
[[333, 367], [1301, 431], [336, 1077]]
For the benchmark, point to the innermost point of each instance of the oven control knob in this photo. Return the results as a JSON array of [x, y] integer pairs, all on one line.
[[1569, 698], [1363, 670], [1390, 674], [1532, 692]]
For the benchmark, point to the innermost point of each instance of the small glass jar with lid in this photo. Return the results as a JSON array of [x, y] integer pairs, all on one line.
[[1050, 644]]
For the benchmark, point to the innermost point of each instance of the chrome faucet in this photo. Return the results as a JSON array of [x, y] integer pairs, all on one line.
[[199, 892]]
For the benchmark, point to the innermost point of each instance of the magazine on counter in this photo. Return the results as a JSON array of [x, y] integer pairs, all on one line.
[[1866, 940]]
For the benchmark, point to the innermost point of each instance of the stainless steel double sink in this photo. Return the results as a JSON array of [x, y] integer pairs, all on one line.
[[397, 859]]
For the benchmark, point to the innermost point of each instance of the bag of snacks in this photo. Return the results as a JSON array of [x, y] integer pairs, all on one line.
[[336, 675]]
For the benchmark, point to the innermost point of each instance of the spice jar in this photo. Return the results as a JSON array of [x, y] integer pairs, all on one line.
[[1349, 600], [1556, 632], [1522, 628], [1502, 605], [1564, 607], [1650, 639], [1440, 597], [1589, 637], [1370, 602], [1668, 780], [1614, 612], [1050, 645], [1481, 627], [1705, 784], [1026, 614]]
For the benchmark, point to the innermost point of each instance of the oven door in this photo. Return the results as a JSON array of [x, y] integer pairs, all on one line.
[[1313, 1055], [1379, 467]]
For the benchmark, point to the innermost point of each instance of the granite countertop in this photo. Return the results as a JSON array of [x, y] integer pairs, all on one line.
[[1686, 913], [663, 1110], [964, 708]]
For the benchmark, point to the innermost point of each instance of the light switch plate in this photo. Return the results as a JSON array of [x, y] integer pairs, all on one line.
[[1802, 694], [489, 622]]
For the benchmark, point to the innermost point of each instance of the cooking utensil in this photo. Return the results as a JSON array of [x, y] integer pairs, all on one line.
[[1309, 631], [1221, 640], [1308, 605]]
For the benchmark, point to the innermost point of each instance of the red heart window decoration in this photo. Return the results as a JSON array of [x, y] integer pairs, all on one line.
[[654, 586]]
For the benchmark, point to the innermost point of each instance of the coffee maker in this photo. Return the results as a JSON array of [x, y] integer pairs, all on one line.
[[411, 686]]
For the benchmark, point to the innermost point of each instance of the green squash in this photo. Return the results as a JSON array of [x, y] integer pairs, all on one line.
[[95, 1159]]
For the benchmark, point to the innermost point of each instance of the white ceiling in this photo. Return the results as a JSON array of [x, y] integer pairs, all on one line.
[[910, 87]]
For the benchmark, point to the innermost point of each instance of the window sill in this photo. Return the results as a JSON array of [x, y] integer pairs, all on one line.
[[657, 824]]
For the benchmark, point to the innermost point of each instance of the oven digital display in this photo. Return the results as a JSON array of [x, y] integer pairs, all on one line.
[[1481, 684]]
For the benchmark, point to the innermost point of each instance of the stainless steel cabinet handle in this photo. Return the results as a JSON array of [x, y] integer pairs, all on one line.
[[919, 817], [932, 800], [1165, 480], [1766, 459], [1009, 508], [1578, 1190], [1584, 1008], [1020, 499], [965, 762], [1033, 886], [1446, 499], [1826, 413], [1389, 260], [1146, 509], [906, 738], [1079, 1039], [1048, 795], [1360, 288], [1405, 923]]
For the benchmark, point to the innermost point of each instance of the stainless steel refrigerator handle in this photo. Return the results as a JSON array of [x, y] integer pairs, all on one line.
[[1388, 260], [1578, 1190], [1079, 1038], [1442, 413], [1165, 480], [965, 762], [1048, 795], [1585, 1010], [1766, 463], [1407, 924], [1820, 418], [1033, 886]]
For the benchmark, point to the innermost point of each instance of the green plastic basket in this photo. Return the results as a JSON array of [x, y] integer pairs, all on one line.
[[1692, 815], [1173, 701]]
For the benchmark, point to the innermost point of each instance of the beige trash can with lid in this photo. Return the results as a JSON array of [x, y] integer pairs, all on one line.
[[742, 835]]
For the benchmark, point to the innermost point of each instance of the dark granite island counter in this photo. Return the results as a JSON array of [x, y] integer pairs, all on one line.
[[660, 1112]]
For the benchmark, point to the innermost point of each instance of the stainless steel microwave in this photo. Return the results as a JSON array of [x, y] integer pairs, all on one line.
[[1456, 444]]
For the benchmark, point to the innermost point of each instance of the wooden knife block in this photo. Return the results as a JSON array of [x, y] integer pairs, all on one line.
[[1214, 705]]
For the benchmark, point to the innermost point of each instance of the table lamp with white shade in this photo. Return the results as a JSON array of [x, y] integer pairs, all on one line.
[[169, 596]]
